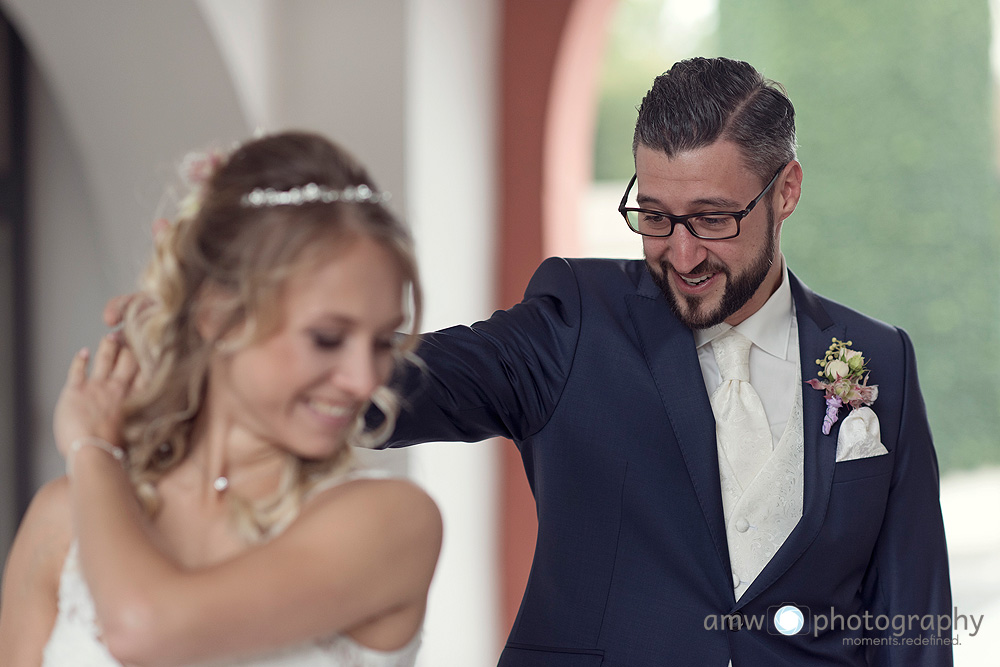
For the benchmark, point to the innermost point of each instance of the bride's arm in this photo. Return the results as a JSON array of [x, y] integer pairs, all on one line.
[[358, 552], [31, 577]]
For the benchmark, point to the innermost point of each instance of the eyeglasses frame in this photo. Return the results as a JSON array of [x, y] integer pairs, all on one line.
[[684, 219]]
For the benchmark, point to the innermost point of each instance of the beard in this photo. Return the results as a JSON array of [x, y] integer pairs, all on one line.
[[739, 289]]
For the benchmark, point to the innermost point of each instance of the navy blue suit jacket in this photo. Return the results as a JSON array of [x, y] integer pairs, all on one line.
[[599, 386]]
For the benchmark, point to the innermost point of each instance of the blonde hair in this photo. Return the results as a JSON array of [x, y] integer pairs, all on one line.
[[243, 256]]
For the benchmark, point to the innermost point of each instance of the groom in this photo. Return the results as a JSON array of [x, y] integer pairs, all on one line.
[[697, 503]]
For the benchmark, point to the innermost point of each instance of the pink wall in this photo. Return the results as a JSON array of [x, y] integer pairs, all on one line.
[[550, 57]]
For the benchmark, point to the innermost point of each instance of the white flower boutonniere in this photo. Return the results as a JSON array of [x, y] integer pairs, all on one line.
[[844, 379]]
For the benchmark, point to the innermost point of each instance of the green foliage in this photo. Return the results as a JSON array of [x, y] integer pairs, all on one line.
[[900, 213], [641, 46]]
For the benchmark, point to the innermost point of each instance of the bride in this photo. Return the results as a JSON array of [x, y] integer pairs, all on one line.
[[210, 511]]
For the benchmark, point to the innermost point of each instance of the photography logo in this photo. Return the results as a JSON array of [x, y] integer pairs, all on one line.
[[788, 620]]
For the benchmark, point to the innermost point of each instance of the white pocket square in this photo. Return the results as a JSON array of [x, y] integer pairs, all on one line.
[[859, 436]]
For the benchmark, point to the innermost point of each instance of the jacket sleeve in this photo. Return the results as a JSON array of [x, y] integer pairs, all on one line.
[[499, 377], [908, 580]]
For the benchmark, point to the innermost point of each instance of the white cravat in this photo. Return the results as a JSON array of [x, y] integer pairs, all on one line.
[[741, 426], [774, 357]]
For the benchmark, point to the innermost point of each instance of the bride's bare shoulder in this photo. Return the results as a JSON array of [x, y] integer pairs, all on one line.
[[47, 529], [378, 498], [392, 510], [31, 575]]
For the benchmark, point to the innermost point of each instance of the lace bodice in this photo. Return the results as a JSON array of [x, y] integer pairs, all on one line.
[[75, 638]]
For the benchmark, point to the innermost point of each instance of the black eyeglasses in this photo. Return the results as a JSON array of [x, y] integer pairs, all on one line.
[[710, 225]]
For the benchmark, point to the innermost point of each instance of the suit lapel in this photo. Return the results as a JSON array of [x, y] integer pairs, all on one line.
[[816, 329], [669, 349]]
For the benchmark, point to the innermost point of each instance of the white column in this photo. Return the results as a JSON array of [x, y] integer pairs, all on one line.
[[409, 87], [450, 178]]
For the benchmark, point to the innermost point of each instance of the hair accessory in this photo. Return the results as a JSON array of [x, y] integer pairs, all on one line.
[[197, 167], [196, 170], [310, 194]]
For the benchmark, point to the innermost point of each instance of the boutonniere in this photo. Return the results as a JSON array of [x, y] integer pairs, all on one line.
[[844, 379]]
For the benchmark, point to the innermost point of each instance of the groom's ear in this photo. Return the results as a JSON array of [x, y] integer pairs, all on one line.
[[787, 191]]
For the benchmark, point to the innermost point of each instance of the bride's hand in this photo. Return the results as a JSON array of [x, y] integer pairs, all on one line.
[[91, 405]]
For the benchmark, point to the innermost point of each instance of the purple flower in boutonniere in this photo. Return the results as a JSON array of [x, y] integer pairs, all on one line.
[[844, 380]]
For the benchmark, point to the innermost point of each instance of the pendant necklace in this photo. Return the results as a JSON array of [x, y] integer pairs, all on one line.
[[220, 483]]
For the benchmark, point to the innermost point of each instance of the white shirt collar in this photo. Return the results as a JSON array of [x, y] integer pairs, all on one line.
[[769, 328]]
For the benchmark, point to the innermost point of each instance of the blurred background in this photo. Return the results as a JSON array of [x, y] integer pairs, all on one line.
[[503, 128]]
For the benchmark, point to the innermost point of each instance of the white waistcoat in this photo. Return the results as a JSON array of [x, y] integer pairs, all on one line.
[[760, 517]]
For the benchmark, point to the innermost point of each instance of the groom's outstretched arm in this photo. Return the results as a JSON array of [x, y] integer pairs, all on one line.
[[499, 377]]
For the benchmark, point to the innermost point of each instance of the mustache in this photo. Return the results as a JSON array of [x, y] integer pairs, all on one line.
[[705, 266]]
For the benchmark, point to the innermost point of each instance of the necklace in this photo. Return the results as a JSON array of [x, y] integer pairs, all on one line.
[[220, 483]]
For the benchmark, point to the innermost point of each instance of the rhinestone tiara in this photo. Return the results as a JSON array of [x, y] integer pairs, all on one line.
[[310, 194]]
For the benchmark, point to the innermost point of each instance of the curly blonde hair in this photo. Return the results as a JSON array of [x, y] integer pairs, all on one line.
[[247, 254]]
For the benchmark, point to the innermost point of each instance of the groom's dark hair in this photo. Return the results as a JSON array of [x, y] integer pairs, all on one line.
[[701, 100]]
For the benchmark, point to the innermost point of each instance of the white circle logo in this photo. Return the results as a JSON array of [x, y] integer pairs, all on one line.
[[788, 620]]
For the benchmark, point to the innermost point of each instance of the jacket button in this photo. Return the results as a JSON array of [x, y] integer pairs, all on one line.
[[742, 525]]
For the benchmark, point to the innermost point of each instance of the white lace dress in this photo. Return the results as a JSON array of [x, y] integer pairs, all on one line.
[[75, 639]]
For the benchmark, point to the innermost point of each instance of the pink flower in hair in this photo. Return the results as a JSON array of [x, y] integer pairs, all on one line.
[[197, 167], [196, 170]]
